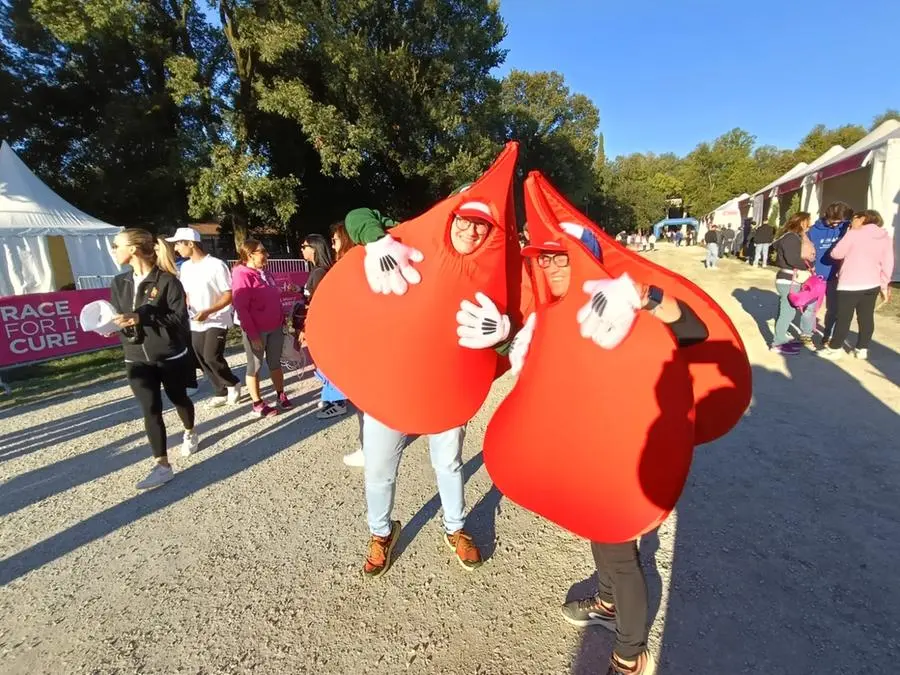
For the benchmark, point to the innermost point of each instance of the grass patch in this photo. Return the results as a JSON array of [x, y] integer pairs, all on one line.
[[30, 383]]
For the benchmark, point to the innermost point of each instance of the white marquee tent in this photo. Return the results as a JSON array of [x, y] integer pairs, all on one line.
[[762, 199], [45, 242]]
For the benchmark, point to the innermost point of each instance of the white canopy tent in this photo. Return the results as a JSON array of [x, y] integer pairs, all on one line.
[[762, 198], [730, 213], [45, 242], [811, 197]]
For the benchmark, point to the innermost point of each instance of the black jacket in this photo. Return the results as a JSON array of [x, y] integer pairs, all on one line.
[[164, 330], [711, 237], [788, 256], [763, 234]]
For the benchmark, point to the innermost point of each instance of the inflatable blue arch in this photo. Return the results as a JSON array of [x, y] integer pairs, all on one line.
[[671, 222]]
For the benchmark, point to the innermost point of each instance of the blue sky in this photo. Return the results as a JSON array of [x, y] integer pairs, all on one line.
[[668, 74]]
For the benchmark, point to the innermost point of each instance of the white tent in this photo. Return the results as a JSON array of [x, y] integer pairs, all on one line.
[[45, 242], [811, 197], [762, 198], [730, 213]]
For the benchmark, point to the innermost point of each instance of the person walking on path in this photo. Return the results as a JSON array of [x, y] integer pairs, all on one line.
[[727, 241], [207, 284], [866, 253], [825, 234], [258, 303], [712, 247], [153, 328], [762, 238], [620, 603], [793, 270]]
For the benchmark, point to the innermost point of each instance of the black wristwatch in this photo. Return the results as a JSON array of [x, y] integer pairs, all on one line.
[[654, 297]]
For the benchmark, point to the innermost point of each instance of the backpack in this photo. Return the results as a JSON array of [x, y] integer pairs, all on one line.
[[811, 290]]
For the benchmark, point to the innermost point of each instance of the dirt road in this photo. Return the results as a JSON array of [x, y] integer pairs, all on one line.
[[782, 558]]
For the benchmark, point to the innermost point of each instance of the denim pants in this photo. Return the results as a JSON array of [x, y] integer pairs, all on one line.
[[786, 314], [383, 448], [712, 255], [761, 255], [330, 393]]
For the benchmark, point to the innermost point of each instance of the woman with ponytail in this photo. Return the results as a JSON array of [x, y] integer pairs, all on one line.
[[155, 333]]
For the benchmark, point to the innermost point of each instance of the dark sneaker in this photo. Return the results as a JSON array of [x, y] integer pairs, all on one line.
[[330, 410], [284, 402], [589, 612], [378, 555], [644, 665], [260, 409], [787, 349], [466, 552]]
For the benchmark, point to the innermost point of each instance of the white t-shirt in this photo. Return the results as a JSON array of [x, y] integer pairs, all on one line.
[[205, 282]]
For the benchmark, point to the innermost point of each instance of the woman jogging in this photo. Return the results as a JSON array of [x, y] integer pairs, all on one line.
[[258, 303], [153, 327], [207, 284]]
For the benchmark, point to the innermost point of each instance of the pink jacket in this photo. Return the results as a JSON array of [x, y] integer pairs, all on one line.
[[867, 259], [256, 299]]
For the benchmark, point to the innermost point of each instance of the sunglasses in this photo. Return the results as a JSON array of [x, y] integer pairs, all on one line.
[[558, 259], [465, 225]]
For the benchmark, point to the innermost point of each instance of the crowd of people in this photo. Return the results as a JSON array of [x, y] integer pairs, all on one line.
[[840, 266]]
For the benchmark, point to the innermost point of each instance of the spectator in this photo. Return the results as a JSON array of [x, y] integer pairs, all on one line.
[[711, 239], [793, 270], [762, 239], [727, 240], [651, 240], [824, 234], [258, 302], [866, 253]]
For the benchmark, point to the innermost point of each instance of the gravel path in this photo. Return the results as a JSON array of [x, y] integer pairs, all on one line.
[[784, 548]]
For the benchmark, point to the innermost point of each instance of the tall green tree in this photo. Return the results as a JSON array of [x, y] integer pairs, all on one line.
[[820, 139]]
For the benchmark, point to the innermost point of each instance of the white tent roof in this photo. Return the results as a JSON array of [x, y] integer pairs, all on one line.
[[798, 170], [879, 136], [731, 203], [824, 158], [28, 208]]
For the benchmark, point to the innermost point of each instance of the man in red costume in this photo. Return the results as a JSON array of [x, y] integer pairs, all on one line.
[[620, 604], [390, 269]]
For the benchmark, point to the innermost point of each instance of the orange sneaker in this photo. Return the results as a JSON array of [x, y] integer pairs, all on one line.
[[466, 552], [378, 555], [645, 664]]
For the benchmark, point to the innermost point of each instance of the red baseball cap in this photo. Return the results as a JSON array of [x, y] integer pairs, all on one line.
[[476, 211], [553, 246]]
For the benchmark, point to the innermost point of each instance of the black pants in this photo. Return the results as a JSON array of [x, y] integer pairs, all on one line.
[[209, 346], [145, 380], [621, 582], [848, 302], [831, 302]]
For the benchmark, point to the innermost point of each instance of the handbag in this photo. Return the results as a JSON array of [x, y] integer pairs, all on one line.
[[811, 290]]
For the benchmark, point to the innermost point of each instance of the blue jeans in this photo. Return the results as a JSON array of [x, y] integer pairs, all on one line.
[[383, 448], [786, 313], [761, 255], [330, 393], [712, 255]]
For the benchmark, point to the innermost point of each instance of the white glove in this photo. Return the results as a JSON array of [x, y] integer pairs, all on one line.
[[388, 268], [481, 327], [519, 348], [572, 229], [609, 315]]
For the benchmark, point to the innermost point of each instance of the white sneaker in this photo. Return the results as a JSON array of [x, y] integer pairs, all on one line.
[[217, 401], [190, 443], [861, 354], [234, 394], [831, 354], [355, 458], [160, 475]]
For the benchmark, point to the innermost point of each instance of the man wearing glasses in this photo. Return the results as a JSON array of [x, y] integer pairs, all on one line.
[[824, 234]]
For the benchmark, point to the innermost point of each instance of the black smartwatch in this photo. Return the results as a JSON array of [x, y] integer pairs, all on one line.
[[654, 297]]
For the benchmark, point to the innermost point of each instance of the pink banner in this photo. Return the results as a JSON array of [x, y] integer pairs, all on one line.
[[291, 284], [45, 325]]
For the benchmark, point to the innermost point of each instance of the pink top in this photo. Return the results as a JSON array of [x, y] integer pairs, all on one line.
[[867, 259], [256, 299]]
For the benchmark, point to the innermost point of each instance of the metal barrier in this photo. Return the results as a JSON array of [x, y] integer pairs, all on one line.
[[97, 281], [279, 265]]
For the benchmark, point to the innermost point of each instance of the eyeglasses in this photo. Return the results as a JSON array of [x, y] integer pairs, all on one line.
[[558, 259], [465, 225], [260, 251], [305, 246]]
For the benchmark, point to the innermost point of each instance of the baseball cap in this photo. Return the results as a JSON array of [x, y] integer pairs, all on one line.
[[476, 210], [553, 246], [184, 234]]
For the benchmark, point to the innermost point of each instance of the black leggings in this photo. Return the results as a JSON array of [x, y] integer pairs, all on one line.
[[861, 302], [209, 346], [145, 380], [621, 582]]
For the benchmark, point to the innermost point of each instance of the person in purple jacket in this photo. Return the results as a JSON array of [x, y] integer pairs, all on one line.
[[257, 300]]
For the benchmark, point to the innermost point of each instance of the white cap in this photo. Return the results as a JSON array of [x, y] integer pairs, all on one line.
[[184, 234], [98, 316]]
